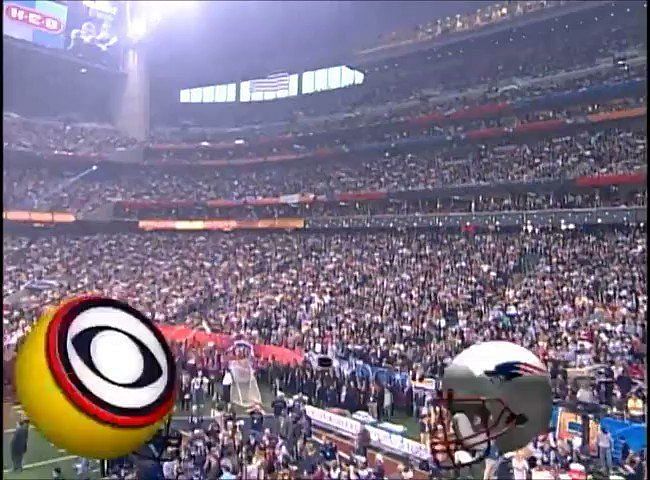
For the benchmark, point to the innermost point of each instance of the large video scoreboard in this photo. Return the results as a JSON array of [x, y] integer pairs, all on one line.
[[77, 26], [36, 21]]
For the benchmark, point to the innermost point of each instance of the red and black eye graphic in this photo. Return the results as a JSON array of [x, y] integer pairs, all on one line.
[[111, 361]]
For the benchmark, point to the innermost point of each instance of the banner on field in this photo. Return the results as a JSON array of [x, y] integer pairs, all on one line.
[[569, 426], [181, 334], [379, 438]]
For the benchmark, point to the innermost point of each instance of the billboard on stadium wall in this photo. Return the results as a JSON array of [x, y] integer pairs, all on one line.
[[41, 217], [223, 225], [569, 426]]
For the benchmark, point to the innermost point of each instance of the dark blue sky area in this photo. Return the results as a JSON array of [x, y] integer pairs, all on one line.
[[222, 41]]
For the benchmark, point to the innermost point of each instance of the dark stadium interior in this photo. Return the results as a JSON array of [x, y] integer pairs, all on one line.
[[379, 185]]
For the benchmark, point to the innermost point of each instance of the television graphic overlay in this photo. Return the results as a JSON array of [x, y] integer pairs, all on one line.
[[106, 372], [40, 22]]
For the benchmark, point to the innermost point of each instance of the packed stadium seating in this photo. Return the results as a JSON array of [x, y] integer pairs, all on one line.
[[505, 124]]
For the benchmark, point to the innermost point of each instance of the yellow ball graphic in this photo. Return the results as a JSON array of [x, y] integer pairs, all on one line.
[[95, 377]]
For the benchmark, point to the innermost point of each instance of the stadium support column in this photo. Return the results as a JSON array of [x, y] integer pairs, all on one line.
[[131, 113]]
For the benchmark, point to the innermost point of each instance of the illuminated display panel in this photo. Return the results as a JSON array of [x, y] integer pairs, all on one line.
[[293, 84], [221, 93], [208, 94], [231, 95], [321, 80], [308, 82], [245, 91], [347, 77], [196, 94]]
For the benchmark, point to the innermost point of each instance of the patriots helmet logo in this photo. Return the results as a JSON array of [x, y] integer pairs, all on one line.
[[508, 371]]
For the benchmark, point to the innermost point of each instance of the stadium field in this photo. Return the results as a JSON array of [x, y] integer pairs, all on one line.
[[41, 457]]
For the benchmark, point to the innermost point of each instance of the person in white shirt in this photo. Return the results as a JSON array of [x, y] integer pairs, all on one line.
[[388, 403], [519, 467], [83, 469], [206, 387], [196, 389], [605, 449], [196, 415], [170, 469], [585, 394], [226, 384], [253, 469]]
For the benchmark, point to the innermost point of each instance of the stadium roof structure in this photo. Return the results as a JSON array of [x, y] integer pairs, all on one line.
[[220, 43]]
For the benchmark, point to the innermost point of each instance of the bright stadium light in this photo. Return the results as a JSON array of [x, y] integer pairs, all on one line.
[[144, 16], [137, 29]]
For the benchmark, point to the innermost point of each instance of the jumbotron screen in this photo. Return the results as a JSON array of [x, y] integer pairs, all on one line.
[[37, 21], [88, 28]]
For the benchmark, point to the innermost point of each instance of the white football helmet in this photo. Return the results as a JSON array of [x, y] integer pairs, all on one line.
[[492, 394]]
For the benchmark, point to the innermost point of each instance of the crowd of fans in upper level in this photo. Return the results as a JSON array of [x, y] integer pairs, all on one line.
[[56, 136], [482, 17], [587, 153], [543, 50]]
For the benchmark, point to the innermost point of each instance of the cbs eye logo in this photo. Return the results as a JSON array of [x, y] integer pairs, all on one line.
[[96, 377]]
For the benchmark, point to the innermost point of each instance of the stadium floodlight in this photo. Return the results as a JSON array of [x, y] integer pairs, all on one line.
[[144, 16], [137, 28]]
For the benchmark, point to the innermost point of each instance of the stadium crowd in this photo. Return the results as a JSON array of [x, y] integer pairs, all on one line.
[[404, 301], [608, 197], [408, 302], [466, 22], [587, 153], [387, 299], [345, 140], [49, 136]]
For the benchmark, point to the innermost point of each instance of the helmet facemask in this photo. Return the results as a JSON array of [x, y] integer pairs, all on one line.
[[463, 428]]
